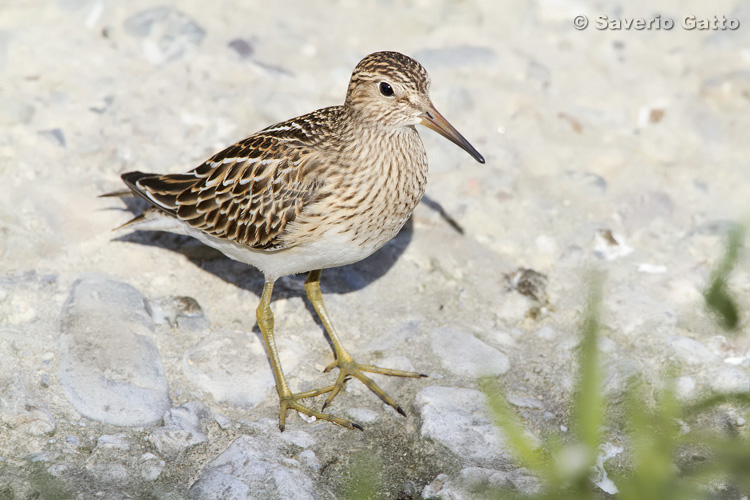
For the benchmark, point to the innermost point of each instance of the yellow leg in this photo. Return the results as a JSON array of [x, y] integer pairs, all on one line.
[[344, 362], [288, 400]]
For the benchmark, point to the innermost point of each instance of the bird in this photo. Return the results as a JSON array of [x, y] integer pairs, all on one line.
[[322, 190]]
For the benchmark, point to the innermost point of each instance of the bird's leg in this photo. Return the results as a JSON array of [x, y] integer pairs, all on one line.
[[288, 400], [344, 362]]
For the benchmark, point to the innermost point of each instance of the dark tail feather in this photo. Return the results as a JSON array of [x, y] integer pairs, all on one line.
[[131, 221], [117, 194]]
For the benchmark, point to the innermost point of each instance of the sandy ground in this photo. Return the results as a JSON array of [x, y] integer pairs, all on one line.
[[621, 150]]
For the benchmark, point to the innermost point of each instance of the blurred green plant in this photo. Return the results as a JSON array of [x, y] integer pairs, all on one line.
[[718, 298], [665, 459], [365, 477]]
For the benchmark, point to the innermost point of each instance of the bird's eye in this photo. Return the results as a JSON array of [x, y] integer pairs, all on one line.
[[386, 89]]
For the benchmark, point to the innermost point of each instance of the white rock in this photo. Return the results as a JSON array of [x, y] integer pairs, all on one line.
[[181, 429], [110, 367], [464, 354], [19, 410], [249, 469], [691, 351], [223, 421], [525, 402], [458, 419], [546, 333], [472, 480], [309, 459], [685, 388], [729, 379], [362, 415], [113, 441], [151, 467], [166, 33], [298, 438]]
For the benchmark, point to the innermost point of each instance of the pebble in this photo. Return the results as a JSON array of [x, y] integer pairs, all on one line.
[[166, 33], [182, 429], [250, 468], [151, 467], [546, 333], [463, 354], [691, 352], [19, 410], [183, 312], [310, 460], [457, 418], [729, 379], [525, 402], [685, 387], [469, 481], [110, 368], [116, 441], [224, 422]]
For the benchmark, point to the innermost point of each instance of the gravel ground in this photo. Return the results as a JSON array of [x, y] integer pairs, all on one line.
[[130, 363]]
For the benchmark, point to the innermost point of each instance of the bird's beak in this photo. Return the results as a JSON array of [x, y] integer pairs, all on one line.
[[434, 120]]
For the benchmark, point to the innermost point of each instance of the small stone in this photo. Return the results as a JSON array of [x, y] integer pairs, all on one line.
[[684, 388], [729, 379], [298, 438], [110, 368], [183, 312], [472, 480], [43, 456], [72, 441], [464, 354], [525, 402], [181, 429], [19, 410], [241, 47], [311, 461], [116, 441], [224, 422], [55, 135], [252, 468], [166, 33], [362, 416], [546, 333], [691, 351], [458, 419], [151, 467]]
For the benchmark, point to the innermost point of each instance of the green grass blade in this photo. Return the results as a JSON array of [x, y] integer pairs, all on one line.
[[588, 403], [717, 296]]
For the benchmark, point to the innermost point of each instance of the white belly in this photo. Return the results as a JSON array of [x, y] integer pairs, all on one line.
[[331, 249]]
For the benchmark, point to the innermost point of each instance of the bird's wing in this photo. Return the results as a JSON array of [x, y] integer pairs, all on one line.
[[247, 193]]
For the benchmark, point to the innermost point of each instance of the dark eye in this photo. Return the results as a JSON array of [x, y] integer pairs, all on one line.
[[385, 89]]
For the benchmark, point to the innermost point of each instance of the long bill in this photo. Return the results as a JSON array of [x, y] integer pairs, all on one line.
[[437, 122]]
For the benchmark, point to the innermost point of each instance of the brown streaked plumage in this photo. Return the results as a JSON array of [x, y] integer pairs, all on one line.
[[321, 190]]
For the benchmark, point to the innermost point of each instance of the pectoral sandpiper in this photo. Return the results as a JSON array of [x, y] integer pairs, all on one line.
[[321, 190]]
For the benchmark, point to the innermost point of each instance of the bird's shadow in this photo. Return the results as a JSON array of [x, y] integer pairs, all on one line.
[[339, 280]]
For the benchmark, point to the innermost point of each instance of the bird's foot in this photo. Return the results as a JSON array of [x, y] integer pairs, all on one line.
[[349, 368], [291, 402]]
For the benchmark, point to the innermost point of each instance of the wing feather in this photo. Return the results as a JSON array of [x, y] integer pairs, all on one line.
[[249, 192]]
